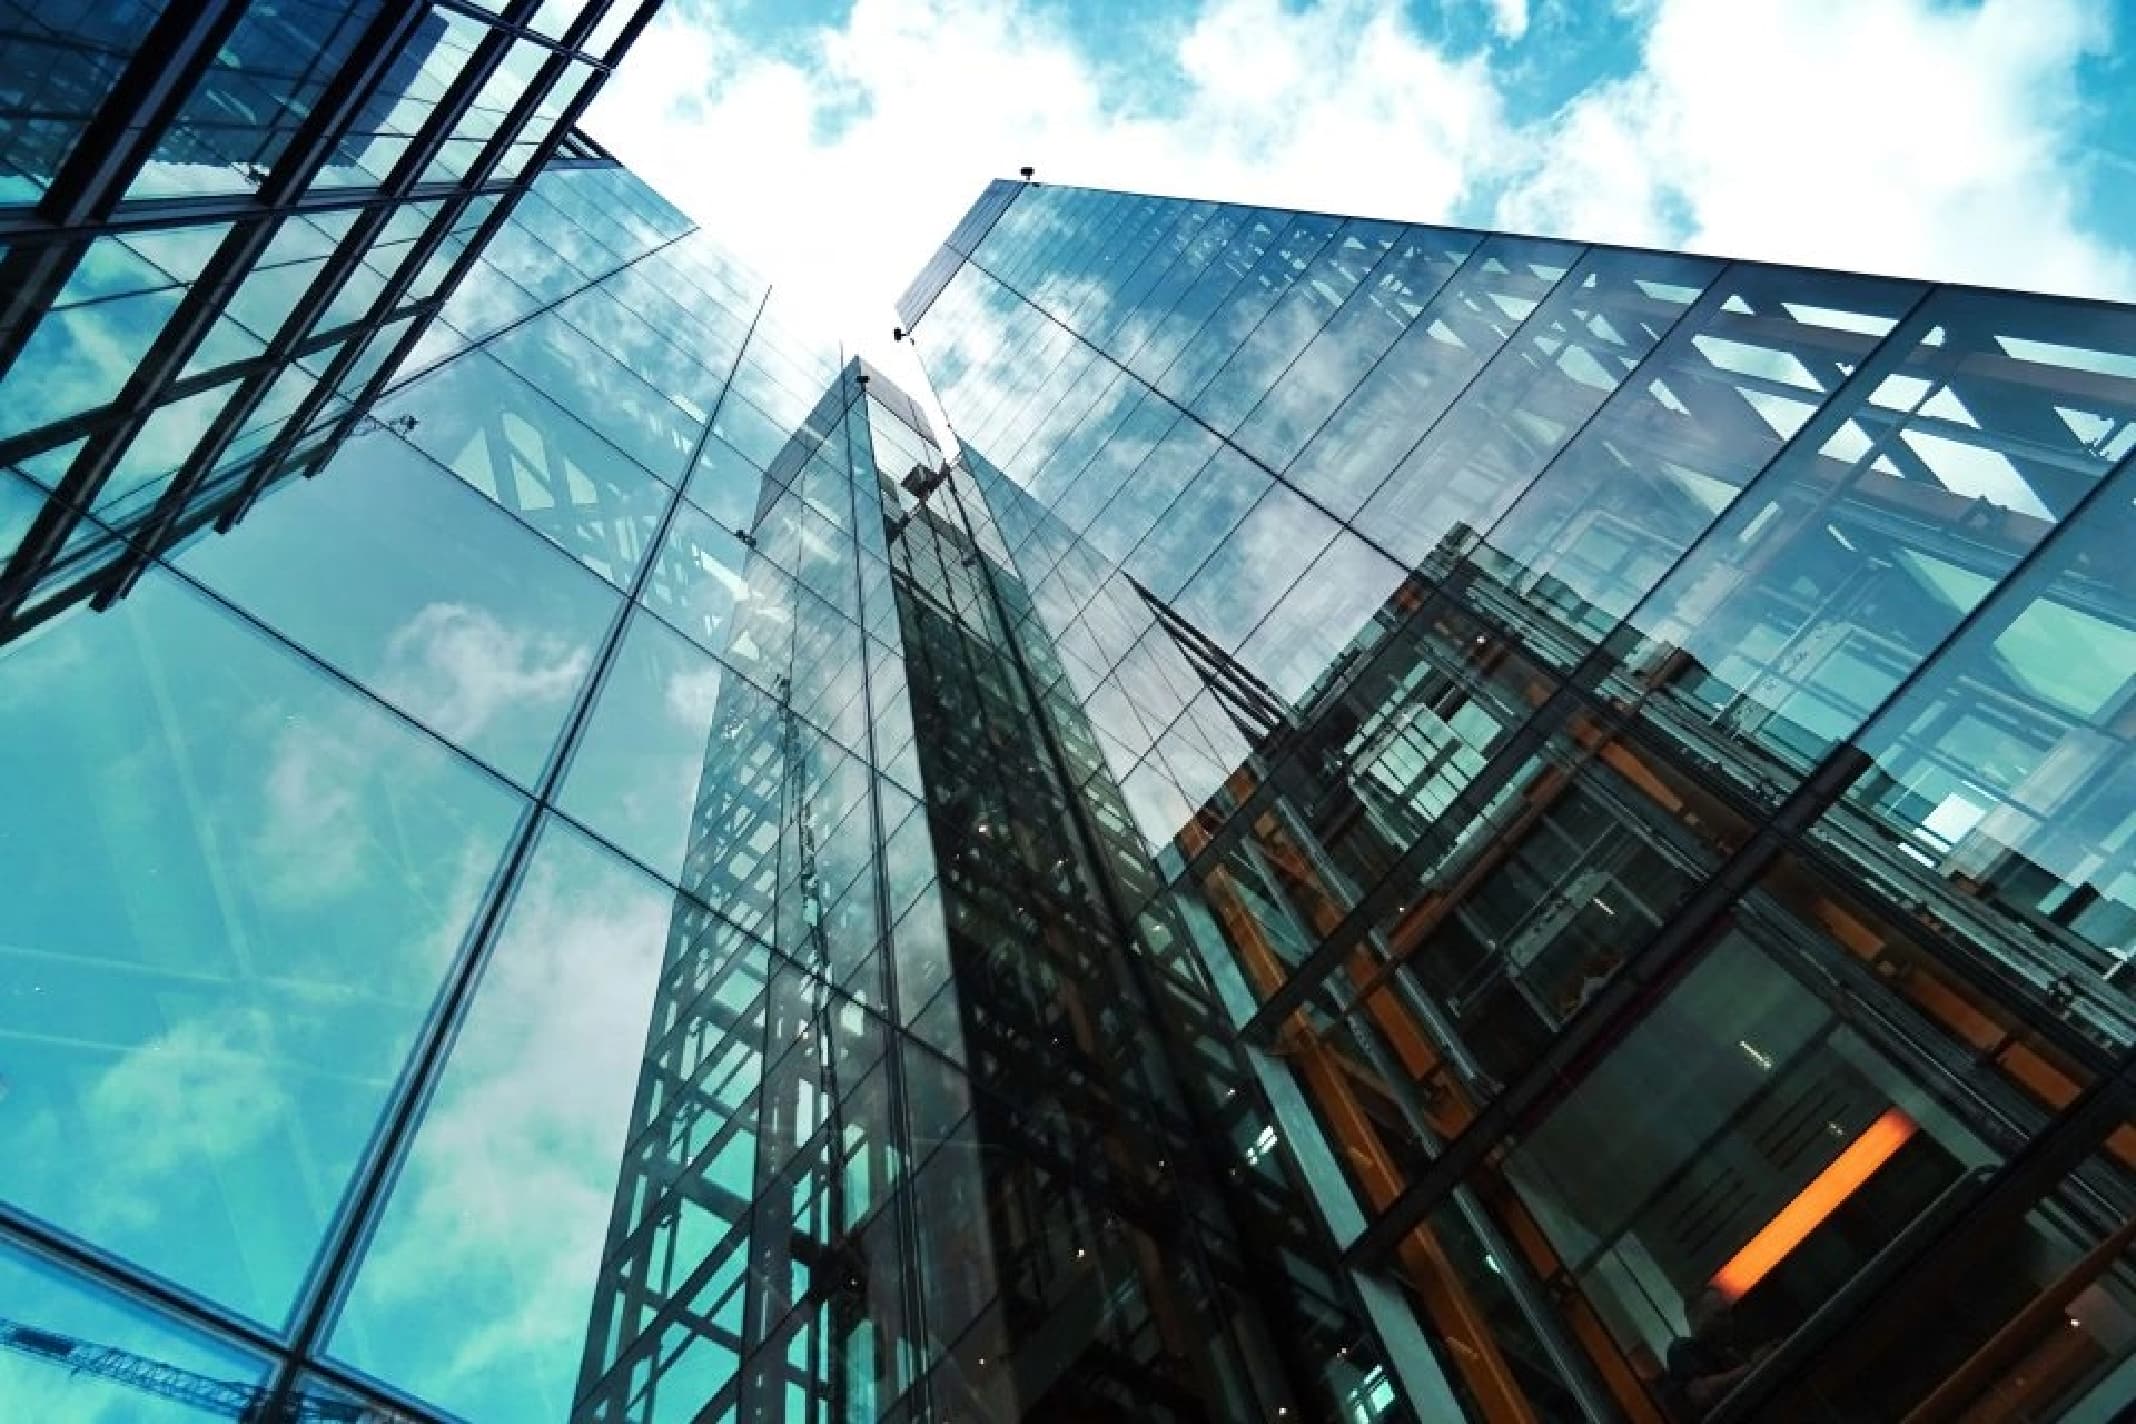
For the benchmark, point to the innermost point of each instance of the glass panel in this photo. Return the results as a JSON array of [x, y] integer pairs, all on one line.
[[727, 486], [1254, 566], [592, 385], [84, 350], [405, 580], [507, 440], [62, 58], [1999, 791], [167, 440], [1330, 616], [1427, 368], [698, 577], [756, 435], [236, 888], [1976, 430], [1374, 316], [1737, 378], [267, 76], [649, 355], [1596, 325], [670, 738], [1306, 304], [1190, 530], [511, 1183]]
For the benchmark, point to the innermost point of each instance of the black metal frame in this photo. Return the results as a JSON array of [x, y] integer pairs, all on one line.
[[85, 203], [44, 244], [1772, 832]]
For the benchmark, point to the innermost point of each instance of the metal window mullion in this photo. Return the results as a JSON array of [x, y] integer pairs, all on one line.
[[158, 215], [343, 1248], [176, 53], [32, 1237], [509, 131], [360, 404], [355, 82], [391, 31], [1679, 941], [118, 139], [153, 533], [202, 306], [516, 20]]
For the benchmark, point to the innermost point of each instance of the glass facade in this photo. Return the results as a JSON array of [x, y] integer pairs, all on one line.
[[224, 224], [1636, 748], [1396, 824]]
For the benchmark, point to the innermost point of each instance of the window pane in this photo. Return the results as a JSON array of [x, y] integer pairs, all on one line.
[[2001, 787], [235, 888], [641, 422], [672, 730], [509, 441], [511, 1183], [1472, 317], [84, 350], [1524, 407], [1980, 424], [1717, 400], [1255, 566], [61, 61], [402, 577], [268, 75]]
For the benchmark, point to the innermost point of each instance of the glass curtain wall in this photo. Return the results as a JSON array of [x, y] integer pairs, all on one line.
[[221, 227], [1640, 745], [451, 913]]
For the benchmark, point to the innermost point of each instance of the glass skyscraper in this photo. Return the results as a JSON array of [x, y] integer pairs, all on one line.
[[1638, 746], [1394, 824]]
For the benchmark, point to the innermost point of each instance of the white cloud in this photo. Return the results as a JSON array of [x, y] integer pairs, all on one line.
[[201, 1093], [1899, 136], [312, 838], [455, 667], [509, 1188], [691, 694], [838, 172]]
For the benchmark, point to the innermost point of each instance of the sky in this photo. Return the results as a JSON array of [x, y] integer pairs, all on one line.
[[834, 143]]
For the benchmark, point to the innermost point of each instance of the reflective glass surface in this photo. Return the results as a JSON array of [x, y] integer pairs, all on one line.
[[233, 910], [1406, 824], [1637, 745]]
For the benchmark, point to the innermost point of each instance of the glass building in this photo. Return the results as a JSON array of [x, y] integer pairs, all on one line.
[[1395, 824], [1637, 749]]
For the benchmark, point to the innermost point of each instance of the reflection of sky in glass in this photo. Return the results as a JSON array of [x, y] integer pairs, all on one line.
[[509, 1186], [247, 878], [430, 597], [230, 918]]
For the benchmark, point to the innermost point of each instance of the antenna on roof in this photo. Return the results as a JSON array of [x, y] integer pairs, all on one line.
[[1030, 174]]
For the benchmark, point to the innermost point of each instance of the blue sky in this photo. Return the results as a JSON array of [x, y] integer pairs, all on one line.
[[834, 142]]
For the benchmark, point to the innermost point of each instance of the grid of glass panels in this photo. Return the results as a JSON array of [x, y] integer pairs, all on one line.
[[450, 954], [162, 361], [1643, 745]]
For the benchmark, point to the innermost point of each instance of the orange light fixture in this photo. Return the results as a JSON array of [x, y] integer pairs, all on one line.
[[1823, 1196]]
